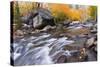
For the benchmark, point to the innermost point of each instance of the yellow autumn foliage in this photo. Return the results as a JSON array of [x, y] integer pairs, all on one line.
[[59, 8], [73, 14]]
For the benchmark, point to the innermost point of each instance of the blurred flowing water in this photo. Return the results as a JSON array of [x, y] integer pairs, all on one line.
[[39, 49]]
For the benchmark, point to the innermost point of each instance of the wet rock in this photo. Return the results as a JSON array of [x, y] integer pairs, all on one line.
[[95, 43], [18, 34], [25, 26], [78, 42], [62, 59], [48, 28], [56, 55], [95, 49], [74, 31], [77, 56], [60, 56], [82, 35], [89, 25], [92, 56], [90, 42], [95, 26], [94, 30], [74, 22], [83, 54], [73, 59]]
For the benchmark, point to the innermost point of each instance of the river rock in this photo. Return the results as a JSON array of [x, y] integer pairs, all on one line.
[[95, 43], [62, 59], [90, 41], [74, 22], [94, 30], [95, 49], [19, 33], [75, 31], [48, 28], [43, 18]]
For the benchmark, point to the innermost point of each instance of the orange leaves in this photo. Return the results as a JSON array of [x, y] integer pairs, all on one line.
[[75, 14], [55, 8], [71, 13]]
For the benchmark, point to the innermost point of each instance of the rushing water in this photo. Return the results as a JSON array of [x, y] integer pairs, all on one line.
[[40, 49], [43, 48]]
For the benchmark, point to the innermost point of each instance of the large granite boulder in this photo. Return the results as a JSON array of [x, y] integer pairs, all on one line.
[[43, 19], [39, 18]]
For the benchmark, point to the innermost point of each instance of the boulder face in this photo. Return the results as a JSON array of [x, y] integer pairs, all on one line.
[[90, 41], [37, 21], [43, 19], [39, 18]]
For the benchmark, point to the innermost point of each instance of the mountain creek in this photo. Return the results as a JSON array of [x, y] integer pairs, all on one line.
[[74, 43]]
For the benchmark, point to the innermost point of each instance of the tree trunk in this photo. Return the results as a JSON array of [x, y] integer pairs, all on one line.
[[17, 15]]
